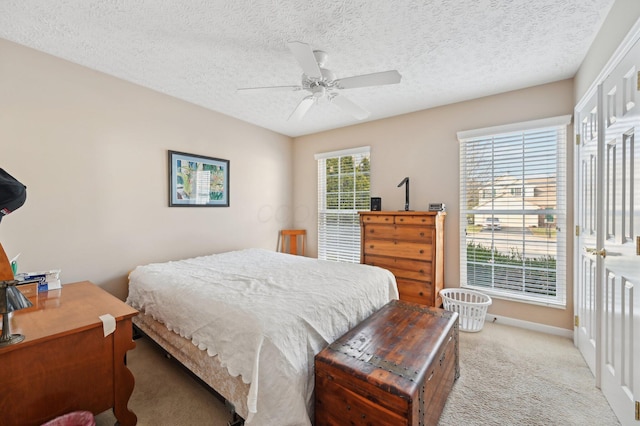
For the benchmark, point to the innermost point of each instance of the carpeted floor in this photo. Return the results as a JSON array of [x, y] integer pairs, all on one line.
[[509, 376]]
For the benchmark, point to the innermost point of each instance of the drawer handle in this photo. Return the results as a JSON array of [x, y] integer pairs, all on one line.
[[422, 271], [421, 251], [421, 294], [422, 234], [401, 220], [386, 219], [371, 246]]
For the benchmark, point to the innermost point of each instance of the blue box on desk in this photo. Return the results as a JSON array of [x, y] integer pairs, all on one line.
[[47, 280]]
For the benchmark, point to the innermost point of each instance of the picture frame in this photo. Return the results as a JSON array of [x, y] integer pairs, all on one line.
[[198, 180]]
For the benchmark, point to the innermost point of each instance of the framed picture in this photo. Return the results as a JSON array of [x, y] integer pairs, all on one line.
[[198, 181]]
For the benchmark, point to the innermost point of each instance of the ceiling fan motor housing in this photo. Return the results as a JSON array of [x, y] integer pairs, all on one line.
[[326, 81], [320, 88]]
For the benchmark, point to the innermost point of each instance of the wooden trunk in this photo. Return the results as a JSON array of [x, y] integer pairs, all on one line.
[[395, 368]]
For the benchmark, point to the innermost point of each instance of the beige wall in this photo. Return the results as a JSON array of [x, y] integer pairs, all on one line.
[[423, 146], [621, 18], [92, 151]]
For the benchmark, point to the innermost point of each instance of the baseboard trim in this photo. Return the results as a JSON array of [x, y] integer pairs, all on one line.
[[534, 326]]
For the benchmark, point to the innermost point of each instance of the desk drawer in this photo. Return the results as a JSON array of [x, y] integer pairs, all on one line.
[[375, 218], [416, 220], [392, 248], [415, 291], [395, 232], [403, 268]]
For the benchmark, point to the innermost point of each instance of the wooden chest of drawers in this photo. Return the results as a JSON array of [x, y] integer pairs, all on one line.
[[395, 368], [411, 245]]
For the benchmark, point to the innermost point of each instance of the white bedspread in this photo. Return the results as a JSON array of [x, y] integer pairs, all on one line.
[[265, 315]]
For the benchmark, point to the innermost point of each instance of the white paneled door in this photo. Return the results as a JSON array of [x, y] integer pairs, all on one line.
[[608, 292], [621, 217], [587, 333]]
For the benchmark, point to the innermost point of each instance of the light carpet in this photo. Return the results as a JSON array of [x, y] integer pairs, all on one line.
[[509, 376]]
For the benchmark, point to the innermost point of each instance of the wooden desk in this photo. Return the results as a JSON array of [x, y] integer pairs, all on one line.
[[66, 363]]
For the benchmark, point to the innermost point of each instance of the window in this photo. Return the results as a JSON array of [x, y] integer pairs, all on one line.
[[343, 190], [513, 210]]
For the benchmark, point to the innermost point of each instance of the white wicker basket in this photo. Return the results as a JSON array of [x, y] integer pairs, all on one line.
[[471, 307]]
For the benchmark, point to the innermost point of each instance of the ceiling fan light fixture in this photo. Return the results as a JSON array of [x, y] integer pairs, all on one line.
[[327, 75], [323, 84], [321, 57]]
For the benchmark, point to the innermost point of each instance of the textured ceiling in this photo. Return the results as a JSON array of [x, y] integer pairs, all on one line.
[[201, 51]]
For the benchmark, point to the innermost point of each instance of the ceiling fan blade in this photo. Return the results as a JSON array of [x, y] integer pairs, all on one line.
[[302, 108], [305, 57], [348, 106], [365, 80], [269, 89]]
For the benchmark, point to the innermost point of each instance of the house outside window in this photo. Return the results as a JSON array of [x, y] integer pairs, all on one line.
[[343, 190], [513, 210]]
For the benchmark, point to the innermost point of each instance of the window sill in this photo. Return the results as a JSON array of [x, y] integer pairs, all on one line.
[[518, 298]]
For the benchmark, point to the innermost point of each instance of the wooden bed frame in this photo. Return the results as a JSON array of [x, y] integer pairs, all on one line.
[[205, 367]]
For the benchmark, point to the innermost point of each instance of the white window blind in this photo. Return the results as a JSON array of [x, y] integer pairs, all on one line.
[[513, 210], [343, 190]]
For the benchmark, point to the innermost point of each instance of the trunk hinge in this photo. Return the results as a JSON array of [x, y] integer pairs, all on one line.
[[576, 321], [578, 139], [577, 230], [637, 410]]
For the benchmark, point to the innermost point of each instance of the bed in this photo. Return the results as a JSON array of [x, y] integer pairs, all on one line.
[[249, 322]]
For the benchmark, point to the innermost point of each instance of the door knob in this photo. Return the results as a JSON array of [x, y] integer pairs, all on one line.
[[592, 250]]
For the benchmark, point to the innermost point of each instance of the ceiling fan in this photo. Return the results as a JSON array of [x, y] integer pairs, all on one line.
[[323, 84]]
